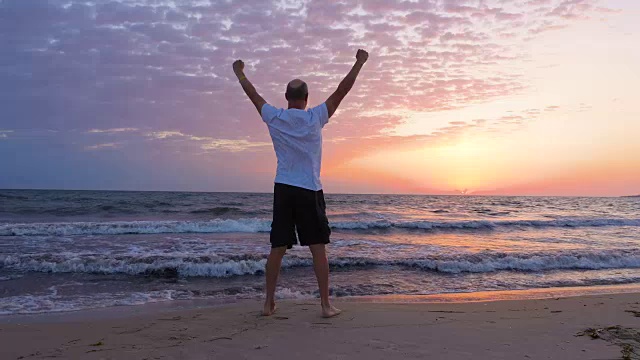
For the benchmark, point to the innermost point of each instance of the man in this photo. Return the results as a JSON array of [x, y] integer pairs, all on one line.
[[298, 203]]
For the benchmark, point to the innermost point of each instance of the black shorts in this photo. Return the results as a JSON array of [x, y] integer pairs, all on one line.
[[301, 210]]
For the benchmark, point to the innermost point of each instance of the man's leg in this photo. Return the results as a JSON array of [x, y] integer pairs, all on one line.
[[272, 270], [321, 268]]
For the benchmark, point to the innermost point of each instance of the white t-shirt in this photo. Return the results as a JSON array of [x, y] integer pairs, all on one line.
[[297, 140]]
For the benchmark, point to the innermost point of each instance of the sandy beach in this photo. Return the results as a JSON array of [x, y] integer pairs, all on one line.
[[507, 329]]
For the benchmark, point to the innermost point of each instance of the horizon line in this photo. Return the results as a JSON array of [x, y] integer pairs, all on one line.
[[330, 193]]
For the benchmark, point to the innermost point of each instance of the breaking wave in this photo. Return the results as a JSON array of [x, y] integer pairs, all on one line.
[[255, 225], [217, 267]]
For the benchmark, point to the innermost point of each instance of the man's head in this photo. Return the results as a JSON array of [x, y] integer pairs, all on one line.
[[297, 94]]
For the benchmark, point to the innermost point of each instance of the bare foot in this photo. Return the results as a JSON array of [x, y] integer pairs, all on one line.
[[330, 311], [269, 308]]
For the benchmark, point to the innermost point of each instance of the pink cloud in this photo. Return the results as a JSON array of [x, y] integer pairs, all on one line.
[[118, 65]]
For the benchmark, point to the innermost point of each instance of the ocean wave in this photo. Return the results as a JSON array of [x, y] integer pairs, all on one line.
[[52, 302], [491, 262], [136, 227], [218, 210], [13, 197], [83, 208], [219, 267], [255, 225], [481, 224], [227, 210], [156, 266]]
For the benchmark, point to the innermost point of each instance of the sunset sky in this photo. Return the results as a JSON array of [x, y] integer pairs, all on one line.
[[531, 97]]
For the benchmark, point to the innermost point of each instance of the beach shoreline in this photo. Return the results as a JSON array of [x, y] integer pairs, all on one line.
[[65, 251], [395, 328], [125, 311]]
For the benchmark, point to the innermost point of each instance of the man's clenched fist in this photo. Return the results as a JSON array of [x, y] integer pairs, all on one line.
[[238, 67], [362, 56]]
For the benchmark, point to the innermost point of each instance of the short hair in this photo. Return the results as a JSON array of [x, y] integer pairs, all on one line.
[[297, 90]]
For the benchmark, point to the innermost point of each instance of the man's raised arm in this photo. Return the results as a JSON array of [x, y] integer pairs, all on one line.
[[247, 86], [347, 83]]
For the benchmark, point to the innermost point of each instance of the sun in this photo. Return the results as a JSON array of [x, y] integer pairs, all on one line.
[[463, 166]]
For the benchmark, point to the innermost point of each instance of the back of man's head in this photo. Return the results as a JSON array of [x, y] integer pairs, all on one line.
[[297, 90]]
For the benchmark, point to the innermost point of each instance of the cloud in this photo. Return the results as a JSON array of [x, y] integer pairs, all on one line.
[[130, 70], [209, 143], [232, 145], [111, 131], [343, 150], [103, 146], [165, 134], [140, 64]]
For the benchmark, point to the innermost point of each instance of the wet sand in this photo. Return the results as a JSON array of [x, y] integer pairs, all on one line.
[[506, 329]]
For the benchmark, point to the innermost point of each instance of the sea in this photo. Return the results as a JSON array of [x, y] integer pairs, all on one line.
[[73, 250]]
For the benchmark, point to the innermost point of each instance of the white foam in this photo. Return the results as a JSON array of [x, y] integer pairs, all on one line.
[[37, 304], [254, 225], [10, 277], [185, 266], [52, 302], [286, 293], [490, 262], [482, 224], [140, 265], [136, 227]]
